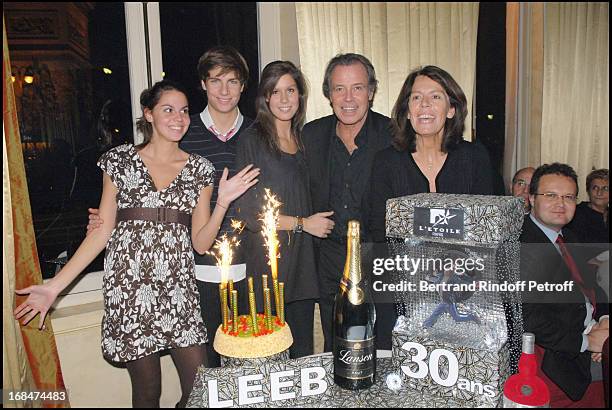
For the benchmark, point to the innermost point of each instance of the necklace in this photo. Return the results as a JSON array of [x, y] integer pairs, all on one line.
[[429, 164]]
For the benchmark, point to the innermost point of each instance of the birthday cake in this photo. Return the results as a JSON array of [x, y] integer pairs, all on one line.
[[246, 344]]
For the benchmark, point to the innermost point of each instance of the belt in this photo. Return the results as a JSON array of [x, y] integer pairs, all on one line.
[[159, 215]]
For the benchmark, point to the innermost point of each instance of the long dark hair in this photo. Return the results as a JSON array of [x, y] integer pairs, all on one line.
[[404, 136], [149, 98], [265, 121]]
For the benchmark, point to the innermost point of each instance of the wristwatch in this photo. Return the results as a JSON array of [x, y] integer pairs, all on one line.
[[299, 226]]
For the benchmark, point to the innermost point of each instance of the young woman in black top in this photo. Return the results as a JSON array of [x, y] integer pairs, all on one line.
[[274, 144]]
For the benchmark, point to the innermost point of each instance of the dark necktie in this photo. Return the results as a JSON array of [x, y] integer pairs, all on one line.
[[576, 276]]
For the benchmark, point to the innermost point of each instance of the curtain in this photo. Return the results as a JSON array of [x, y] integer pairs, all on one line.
[[575, 122], [30, 360], [524, 84], [396, 37]]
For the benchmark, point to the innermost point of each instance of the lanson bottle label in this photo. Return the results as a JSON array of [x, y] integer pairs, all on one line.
[[355, 360]]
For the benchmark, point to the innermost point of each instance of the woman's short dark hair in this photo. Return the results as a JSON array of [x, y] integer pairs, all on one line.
[[404, 135], [225, 57], [603, 173], [555, 168], [265, 121], [149, 98], [346, 60]]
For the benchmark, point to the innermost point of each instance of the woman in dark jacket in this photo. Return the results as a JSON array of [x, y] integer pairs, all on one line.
[[428, 154]]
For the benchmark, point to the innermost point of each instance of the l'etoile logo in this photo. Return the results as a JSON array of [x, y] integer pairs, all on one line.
[[440, 217], [439, 223]]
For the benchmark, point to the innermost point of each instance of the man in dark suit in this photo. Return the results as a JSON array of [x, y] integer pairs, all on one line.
[[567, 336], [340, 150]]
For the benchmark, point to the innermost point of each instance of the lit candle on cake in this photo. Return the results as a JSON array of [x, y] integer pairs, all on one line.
[[270, 221], [264, 281], [276, 295], [235, 311], [230, 292], [253, 307], [223, 252], [281, 313], [253, 311], [267, 309], [223, 299]]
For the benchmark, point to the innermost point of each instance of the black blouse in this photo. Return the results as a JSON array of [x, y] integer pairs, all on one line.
[[589, 225], [466, 170], [287, 177]]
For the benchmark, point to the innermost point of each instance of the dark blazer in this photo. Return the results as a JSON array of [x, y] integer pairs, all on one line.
[[558, 322], [317, 137]]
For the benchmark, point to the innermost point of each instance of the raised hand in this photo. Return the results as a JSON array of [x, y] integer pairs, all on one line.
[[319, 224], [94, 220], [40, 300], [231, 189]]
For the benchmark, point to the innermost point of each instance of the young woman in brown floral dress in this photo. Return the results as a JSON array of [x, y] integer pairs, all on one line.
[[157, 198]]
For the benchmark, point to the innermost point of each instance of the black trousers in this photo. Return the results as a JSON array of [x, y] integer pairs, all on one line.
[[332, 258], [210, 305]]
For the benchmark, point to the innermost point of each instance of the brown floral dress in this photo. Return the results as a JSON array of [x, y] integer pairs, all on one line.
[[151, 301]]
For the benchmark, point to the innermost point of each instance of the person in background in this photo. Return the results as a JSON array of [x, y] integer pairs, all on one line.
[[591, 225], [590, 222], [570, 327], [274, 144], [339, 152], [156, 207], [214, 134], [520, 185]]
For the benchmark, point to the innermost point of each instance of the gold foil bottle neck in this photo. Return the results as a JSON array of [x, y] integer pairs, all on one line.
[[352, 268], [353, 230]]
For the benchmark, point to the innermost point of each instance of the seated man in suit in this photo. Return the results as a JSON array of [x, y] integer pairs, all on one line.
[[567, 336]]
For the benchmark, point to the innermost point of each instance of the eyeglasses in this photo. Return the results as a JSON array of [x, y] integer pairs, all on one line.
[[552, 197]]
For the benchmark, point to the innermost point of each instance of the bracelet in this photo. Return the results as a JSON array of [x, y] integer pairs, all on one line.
[[224, 207], [299, 225]]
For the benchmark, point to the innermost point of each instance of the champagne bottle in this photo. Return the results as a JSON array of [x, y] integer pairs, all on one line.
[[526, 389], [354, 319]]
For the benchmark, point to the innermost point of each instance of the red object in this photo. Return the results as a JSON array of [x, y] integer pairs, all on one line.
[[593, 397], [525, 387], [571, 264]]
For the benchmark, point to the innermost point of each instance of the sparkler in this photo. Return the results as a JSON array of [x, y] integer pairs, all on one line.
[[237, 226], [223, 252], [270, 221]]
